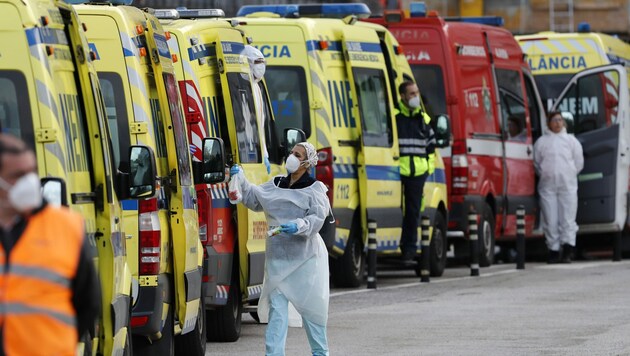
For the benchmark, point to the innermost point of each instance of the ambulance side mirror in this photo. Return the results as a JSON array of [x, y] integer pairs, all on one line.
[[142, 172], [213, 160], [54, 191], [291, 138], [442, 131]]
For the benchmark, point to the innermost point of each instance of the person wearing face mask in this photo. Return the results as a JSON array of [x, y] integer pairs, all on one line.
[[296, 260], [416, 141], [257, 65], [51, 293], [558, 160]]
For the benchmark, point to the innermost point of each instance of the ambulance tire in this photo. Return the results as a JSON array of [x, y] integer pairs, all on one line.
[[439, 246], [347, 270], [223, 324], [486, 236], [164, 346], [194, 342]]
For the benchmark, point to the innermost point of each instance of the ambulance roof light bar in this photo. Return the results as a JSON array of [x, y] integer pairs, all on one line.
[[184, 13], [482, 20], [332, 10], [418, 9]]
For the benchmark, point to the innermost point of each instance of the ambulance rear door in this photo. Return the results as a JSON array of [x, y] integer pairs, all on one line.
[[244, 133], [183, 213], [598, 100], [377, 161]]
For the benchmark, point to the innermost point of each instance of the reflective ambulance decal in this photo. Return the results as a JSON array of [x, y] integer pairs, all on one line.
[[569, 55]]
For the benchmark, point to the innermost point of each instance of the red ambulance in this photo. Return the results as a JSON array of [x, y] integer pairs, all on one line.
[[475, 73]]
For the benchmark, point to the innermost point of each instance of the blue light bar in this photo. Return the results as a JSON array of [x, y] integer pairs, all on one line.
[[584, 27], [482, 20], [310, 10], [418, 9], [113, 2]]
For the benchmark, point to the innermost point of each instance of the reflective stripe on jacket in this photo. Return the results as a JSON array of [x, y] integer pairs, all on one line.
[[36, 311], [416, 142]]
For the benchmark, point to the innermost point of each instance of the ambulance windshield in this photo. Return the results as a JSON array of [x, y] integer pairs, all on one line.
[[289, 98], [431, 84]]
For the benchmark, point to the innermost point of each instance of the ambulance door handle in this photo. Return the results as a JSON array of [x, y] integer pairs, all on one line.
[[396, 158], [529, 151]]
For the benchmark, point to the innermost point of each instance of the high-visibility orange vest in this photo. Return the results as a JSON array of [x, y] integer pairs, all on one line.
[[36, 311]]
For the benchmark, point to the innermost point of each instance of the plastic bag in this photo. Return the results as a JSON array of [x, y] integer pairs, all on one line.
[[234, 189]]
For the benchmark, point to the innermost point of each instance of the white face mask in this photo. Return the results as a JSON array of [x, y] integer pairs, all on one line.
[[258, 71], [25, 194], [292, 164], [414, 102]]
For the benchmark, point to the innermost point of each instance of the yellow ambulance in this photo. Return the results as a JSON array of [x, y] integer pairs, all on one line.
[[588, 72], [336, 79], [216, 89], [143, 106], [50, 97]]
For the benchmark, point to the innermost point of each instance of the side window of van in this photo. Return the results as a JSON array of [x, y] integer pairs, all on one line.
[[431, 84], [182, 151], [245, 118], [373, 108], [15, 109], [113, 96], [289, 98], [512, 104]]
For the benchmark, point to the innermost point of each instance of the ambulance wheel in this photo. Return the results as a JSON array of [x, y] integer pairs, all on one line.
[[224, 323], [486, 236], [348, 269], [194, 342], [163, 346], [439, 246]]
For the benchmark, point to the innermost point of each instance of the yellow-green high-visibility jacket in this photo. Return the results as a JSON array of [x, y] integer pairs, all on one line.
[[416, 141]]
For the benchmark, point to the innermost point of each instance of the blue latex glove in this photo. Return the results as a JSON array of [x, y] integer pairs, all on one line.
[[268, 165], [289, 228], [235, 170]]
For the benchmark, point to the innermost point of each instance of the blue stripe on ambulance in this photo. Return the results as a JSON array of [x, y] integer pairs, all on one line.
[[38, 35], [130, 205]]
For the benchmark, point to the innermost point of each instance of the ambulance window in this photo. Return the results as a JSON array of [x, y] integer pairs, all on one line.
[[182, 151], [511, 99], [289, 98], [373, 108], [247, 134], [550, 87], [114, 98], [431, 84], [593, 101], [15, 108]]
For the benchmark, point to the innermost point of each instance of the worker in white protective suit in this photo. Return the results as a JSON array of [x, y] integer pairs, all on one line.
[[257, 65], [296, 260], [558, 160]]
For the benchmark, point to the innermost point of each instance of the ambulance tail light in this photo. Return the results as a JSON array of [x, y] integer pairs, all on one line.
[[459, 165], [324, 170], [203, 200], [150, 237]]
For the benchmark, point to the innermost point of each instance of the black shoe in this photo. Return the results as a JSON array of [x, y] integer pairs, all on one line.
[[409, 258], [554, 257], [567, 253]]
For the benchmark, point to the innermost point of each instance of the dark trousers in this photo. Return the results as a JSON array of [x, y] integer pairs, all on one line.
[[413, 188]]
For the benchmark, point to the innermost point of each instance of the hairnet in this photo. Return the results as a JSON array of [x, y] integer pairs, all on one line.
[[311, 153], [252, 54]]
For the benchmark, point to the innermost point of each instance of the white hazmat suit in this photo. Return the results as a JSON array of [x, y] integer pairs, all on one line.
[[558, 160], [296, 264]]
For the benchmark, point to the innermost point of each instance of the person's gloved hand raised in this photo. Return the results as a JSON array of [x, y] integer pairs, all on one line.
[[268, 165], [289, 228], [235, 170]]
